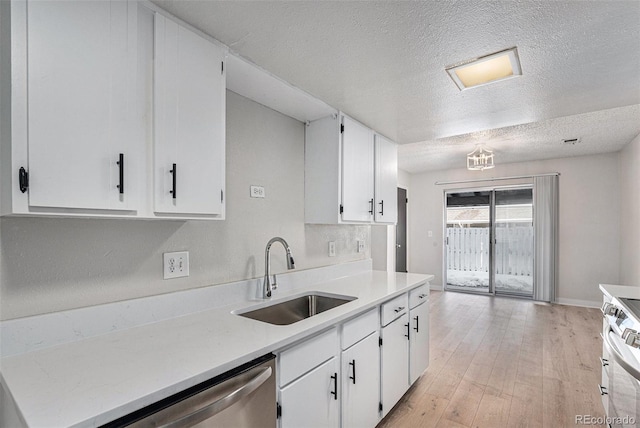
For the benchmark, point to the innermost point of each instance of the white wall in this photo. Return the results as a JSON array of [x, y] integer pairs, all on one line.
[[630, 213], [589, 220], [53, 264]]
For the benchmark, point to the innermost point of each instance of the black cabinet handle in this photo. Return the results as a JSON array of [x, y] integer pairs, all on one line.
[[381, 203], [353, 364], [400, 308], [23, 179], [371, 206], [174, 173], [416, 327], [408, 328], [603, 390], [335, 386], [121, 172]]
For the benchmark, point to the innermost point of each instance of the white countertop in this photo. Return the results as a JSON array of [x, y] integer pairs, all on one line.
[[624, 291], [98, 379]]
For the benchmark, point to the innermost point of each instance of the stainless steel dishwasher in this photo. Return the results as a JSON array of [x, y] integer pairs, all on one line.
[[242, 397]]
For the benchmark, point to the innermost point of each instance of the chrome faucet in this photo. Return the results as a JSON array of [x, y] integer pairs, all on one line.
[[268, 285]]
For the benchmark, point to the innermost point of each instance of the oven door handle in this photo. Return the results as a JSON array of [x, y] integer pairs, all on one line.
[[617, 356], [222, 403]]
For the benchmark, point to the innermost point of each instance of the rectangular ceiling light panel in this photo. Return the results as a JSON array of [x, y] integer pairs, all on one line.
[[487, 69]]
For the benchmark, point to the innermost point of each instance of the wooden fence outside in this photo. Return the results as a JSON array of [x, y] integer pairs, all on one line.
[[468, 249]]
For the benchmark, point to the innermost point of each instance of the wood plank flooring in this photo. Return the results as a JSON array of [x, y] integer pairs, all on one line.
[[501, 362]]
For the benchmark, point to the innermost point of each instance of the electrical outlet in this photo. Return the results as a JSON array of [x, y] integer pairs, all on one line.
[[332, 248], [176, 264], [257, 192], [361, 246], [430, 234]]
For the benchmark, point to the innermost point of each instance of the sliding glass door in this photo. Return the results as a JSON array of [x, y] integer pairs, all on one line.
[[513, 249], [468, 237], [489, 241]]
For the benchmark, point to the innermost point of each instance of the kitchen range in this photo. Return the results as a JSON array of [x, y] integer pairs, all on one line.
[[620, 387]]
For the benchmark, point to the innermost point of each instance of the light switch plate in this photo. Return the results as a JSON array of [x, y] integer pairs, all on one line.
[[176, 265], [361, 246], [257, 192], [332, 248]]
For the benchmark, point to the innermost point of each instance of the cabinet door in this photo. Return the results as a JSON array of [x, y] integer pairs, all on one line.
[[360, 383], [395, 362], [419, 341], [189, 146], [386, 180], [310, 401], [82, 106], [357, 171]]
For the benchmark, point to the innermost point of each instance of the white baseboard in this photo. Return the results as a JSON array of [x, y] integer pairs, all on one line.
[[576, 302], [435, 287]]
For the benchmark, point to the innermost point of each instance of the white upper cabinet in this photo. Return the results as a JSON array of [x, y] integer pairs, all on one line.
[[189, 146], [386, 180], [357, 171], [341, 174], [75, 131], [105, 98]]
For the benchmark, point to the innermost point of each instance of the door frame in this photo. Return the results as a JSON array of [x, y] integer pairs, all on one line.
[[408, 237], [492, 208]]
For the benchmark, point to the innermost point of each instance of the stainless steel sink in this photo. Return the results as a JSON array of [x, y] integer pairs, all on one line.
[[296, 309]]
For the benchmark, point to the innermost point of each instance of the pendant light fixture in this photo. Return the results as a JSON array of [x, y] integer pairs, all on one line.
[[480, 159]]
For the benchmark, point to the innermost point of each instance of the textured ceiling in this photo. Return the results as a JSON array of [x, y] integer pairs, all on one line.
[[383, 64]]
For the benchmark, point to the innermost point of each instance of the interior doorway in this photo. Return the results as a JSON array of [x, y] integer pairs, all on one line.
[[401, 232], [489, 241]]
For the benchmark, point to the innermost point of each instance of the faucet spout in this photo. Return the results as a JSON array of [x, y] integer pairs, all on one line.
[[268, 285]]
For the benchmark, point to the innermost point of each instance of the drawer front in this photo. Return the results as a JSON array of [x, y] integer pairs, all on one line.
[[360, 327], [418, 295], [301, 358], [393, 309]]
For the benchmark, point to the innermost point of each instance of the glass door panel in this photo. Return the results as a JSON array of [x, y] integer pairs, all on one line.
[[468, 237], [513, 250]]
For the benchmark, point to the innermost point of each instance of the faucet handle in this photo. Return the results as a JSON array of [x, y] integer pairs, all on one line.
[[274, 284]]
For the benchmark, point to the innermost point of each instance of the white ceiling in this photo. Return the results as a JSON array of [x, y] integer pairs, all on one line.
[[383, 64]]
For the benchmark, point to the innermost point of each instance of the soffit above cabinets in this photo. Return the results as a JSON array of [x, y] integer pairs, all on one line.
[[383, 62], [251, 81]]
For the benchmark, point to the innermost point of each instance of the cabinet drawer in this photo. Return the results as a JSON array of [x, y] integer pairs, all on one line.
[[359, 328], [418, 295], [393, 309], [301, 358]]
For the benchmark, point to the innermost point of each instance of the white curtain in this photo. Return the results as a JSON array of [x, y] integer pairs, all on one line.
[[545, 222]]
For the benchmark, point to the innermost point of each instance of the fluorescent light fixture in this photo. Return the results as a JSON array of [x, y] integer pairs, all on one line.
[[487, 69]]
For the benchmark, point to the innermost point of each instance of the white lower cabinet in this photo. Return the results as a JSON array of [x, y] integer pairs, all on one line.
[[418, 341], [313, 399], [351, 376], [361, 371], [309, 380], [395, 362]]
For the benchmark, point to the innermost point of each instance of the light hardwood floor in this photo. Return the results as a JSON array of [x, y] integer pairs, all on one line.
[[501, 362]]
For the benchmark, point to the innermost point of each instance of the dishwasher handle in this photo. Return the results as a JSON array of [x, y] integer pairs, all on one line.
[[219, 405], [615, 354]]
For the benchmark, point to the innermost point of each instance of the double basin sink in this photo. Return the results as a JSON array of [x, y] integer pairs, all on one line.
[[295, 309]]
